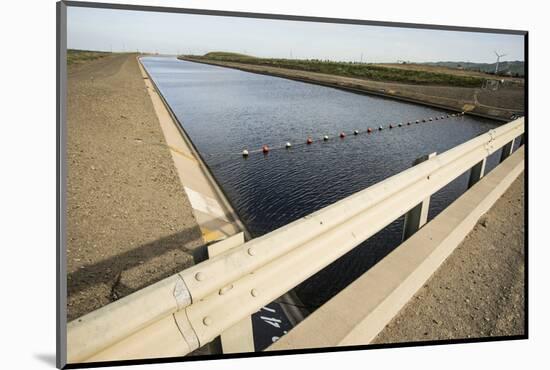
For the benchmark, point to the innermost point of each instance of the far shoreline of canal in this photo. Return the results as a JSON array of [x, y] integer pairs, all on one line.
[[373, 88]]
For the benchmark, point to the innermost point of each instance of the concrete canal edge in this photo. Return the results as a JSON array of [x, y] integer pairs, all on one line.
[[216, 217], [312, 78], [212, 209]]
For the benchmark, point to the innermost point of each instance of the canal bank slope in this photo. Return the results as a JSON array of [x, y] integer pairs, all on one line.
[[479, 290], [129, 221], [498, 104]]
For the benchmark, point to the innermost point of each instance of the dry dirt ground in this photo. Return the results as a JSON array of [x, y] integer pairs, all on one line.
[[479, 290], [129, 222], [501, 103]]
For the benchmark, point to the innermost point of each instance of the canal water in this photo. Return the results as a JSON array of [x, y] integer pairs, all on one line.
[[225, 111]]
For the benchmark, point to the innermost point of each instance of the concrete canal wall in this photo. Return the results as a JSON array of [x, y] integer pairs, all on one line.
[[213, 212]]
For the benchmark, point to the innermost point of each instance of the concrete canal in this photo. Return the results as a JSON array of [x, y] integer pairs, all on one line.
[[225, 111]]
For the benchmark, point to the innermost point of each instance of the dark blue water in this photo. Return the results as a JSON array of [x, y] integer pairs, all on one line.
[[225, 111]]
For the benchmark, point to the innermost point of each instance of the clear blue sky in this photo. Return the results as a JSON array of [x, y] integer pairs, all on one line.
[[120, 30]]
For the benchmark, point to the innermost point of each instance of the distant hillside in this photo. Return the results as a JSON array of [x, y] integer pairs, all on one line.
[[227, 56], [506, 68]]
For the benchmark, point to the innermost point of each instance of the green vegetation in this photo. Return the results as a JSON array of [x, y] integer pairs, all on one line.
[[79, 56], [350, 69]]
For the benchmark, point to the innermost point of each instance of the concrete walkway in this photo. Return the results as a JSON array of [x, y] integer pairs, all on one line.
[[479, 289]]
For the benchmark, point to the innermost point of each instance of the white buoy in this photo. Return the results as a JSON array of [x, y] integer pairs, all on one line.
[[288, 145], [355, 132], [380, 127], [399, 124], [325, 137], [417, 121], [245, 153]]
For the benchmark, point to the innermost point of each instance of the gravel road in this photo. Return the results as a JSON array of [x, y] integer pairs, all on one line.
[[129, 222]]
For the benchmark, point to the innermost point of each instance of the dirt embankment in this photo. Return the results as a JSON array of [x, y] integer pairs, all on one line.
[[479, 290], [499, 104], [447, 70], [129, 222]]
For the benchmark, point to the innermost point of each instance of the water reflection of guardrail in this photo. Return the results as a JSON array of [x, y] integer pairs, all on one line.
[[183, 312]]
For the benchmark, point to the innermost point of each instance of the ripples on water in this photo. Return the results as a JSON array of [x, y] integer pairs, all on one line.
[[225, 110]]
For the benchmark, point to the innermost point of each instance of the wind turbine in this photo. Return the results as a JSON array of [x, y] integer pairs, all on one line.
[[498, 60]]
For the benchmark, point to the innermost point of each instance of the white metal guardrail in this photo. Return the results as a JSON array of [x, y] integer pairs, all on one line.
[[183, 312]]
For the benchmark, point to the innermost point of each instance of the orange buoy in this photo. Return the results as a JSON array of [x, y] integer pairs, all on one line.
[[369, 130], [342, 135], [391, 126], [309, 141], [265, 149]]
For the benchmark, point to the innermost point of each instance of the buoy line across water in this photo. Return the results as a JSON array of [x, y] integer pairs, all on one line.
[[265, 149]]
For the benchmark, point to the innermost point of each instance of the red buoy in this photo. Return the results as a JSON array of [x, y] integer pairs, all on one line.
[[369, 130], [309, 141], [391, 126], [265, 149], [342, 135]]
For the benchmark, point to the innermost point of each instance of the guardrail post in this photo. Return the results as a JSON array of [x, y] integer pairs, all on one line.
[[477, 172], [418, 215], [507, 150], [239, 338], [522, 141]]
